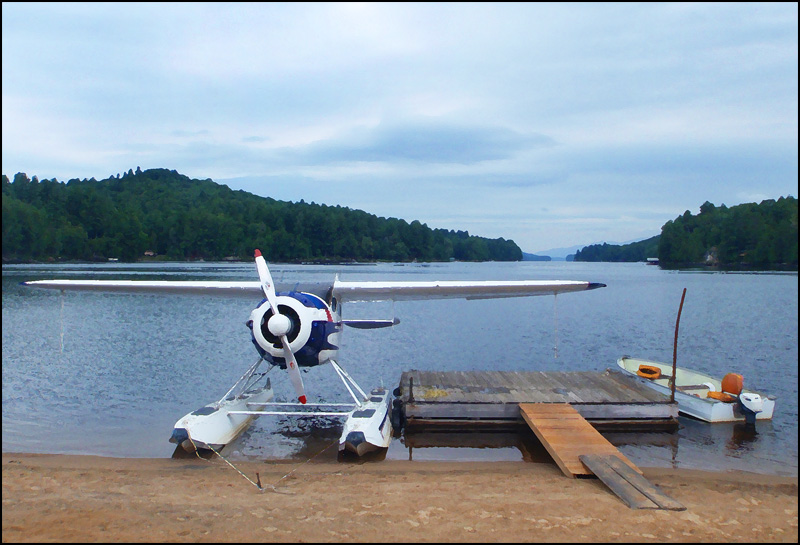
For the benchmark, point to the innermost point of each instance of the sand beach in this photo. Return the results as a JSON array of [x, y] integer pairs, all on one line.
[[71, 498]]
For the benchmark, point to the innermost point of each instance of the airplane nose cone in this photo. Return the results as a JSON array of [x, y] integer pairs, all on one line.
[[279, 325]]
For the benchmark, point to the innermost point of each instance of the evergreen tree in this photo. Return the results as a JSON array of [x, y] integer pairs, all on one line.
[[162, 211]]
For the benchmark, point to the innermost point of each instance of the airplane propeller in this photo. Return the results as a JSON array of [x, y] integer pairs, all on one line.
[[279, 325]]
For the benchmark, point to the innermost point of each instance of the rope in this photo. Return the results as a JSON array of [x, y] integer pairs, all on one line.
[[555, 323], [274, 487], [197, 453], [302, 464]]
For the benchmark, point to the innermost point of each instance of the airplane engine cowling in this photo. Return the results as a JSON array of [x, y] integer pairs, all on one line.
[[311, 334]]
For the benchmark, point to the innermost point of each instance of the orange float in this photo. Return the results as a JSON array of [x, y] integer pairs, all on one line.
[[722, 396], [649, 371]]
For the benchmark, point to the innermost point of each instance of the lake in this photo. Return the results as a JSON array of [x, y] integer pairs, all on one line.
[[110, 374]]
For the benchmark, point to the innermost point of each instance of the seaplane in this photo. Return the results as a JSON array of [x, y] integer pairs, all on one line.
[[300, 326]]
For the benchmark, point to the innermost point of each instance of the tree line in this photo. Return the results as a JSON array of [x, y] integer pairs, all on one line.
[[758, 236], [162, 213], [636, 251]]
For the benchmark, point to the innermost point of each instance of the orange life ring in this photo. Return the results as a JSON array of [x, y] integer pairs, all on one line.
[[649, 371], [721, 396]]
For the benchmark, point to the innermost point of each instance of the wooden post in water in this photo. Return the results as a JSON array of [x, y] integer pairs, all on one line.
[[675, 350]]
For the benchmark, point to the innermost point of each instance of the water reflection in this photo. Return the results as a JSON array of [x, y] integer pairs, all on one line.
[[743, 436], [300, 441], [471, 446]]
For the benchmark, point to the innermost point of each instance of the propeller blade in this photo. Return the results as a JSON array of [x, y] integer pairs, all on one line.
[[294, 371], [266, 281], [279, 325]]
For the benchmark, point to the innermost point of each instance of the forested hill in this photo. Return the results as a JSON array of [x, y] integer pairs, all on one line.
[[757, 236], [635, 251], [163, 213]]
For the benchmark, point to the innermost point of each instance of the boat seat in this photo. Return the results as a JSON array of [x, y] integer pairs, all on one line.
[[732, 383]]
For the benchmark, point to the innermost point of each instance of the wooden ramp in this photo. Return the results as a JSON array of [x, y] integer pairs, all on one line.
[[567, 435], [636, 491], [579, 449]]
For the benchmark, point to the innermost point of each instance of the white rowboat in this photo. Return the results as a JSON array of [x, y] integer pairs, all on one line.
[[691, 392]]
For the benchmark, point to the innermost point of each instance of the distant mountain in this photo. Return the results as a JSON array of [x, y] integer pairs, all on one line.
[[559, 254]]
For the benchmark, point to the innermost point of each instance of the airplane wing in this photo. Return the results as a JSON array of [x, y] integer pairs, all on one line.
[[475, 289], [197, 287], [344, 291]]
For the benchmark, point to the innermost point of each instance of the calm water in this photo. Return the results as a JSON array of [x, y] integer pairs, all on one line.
[[110, 374]]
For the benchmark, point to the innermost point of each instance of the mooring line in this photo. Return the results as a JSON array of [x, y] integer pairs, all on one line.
[[274, 486], [258, 485], [555, 325], [197, 453]]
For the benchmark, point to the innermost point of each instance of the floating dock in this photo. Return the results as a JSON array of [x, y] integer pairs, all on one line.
[[489, 400]]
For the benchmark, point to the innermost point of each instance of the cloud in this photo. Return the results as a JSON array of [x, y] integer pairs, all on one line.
[[426, 141], [544, 123]]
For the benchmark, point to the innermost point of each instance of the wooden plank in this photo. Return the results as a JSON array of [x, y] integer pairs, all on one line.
[[546, 389], [603, 390], [443, 409], [566, 435], [524, 380], [473, 389], [640, 390], [622, 391], [486, 382], [538, 380], [627, 411], [455, 386], [643, 485], [500, 378], [563, 384], [438, 379], [628, 493]]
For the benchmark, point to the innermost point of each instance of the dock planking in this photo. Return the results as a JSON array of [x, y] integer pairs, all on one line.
[[475, 398]]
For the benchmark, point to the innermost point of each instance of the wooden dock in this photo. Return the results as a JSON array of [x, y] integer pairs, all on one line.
[[490, 400]]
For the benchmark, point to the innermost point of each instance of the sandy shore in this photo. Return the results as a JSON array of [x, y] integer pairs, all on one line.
[[89, 498]]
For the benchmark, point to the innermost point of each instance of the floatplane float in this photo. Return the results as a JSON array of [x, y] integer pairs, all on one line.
[[300, 327]]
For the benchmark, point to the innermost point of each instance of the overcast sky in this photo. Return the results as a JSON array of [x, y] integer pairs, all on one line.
[[550, 124]]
